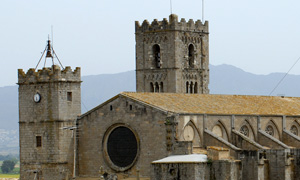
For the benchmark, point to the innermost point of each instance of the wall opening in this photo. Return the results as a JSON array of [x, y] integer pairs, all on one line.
[[69, 96], [191, 56], [151, 87], [294, 130], [187, 87], [161, 87], [156, 54], [156, 87], [121, 147], [38, 141], [191, 87], [196, 88]]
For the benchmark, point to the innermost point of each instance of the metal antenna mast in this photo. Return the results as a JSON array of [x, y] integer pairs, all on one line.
[[171, 6], [203, 11], [52, 35]]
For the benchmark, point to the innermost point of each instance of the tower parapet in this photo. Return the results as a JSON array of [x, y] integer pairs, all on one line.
[[172, 24], [45, 75], [176, 50]]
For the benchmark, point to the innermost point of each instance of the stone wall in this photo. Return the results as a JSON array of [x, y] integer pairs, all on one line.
[[215, 170], [46, 143], [148, 123], [175, 67]]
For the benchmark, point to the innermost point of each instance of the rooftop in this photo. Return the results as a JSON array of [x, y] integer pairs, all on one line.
[[219, 104]]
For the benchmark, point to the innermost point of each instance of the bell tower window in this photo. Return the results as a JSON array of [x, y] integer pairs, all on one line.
[[151, 87], [191, 88], [196, 88], [156, 88], [161, 87], [156, 54], [191, 56], [187, 87]]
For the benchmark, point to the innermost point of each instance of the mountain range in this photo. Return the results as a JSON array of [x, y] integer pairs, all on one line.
[[224, 79]]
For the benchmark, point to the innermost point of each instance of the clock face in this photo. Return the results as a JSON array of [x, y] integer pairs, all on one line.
[[188, 133], [37, 97]]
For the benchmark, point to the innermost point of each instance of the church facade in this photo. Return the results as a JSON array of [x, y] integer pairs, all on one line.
[[172, 113]]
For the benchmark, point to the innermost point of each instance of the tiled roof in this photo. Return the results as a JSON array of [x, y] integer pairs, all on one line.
[[220, 104]]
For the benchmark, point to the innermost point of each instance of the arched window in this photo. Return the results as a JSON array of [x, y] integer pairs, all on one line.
[[187, 87], [151, 87], [156, 54], [156, 87], [161, 87], [196, 88], [244, 130], [191, 87], [294, 130], [270, 130], [191, 56]]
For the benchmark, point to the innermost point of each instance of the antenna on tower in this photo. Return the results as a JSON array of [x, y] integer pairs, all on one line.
[[171, 6], [52, 35], [202, 11]]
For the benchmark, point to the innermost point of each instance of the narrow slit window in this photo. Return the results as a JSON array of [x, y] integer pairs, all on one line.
[[38, 141], [69, 96]]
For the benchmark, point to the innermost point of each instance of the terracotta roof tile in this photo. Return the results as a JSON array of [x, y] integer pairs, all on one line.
[[220, 104]]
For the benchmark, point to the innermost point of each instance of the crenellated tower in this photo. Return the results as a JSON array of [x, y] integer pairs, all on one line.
[[49, 103], [172, 56]]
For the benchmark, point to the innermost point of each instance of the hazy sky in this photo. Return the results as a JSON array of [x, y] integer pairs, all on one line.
[[258, 36]]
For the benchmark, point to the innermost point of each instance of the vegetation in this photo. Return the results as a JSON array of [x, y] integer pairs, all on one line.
[[13, 160], [8, 166]]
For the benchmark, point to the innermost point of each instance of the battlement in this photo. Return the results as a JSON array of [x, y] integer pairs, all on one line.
[[49, 74], [172, 24]]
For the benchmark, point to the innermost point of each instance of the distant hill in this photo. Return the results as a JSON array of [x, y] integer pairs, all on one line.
[[224, 79]]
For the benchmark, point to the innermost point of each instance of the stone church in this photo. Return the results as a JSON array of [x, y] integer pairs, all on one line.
[[172, 114]]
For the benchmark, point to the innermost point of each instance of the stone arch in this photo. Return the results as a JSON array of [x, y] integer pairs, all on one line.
[[294, 128], [191, 55], [186, 134], [156, 55], [151, 87], [251, 133], [187, 86], [220, 130], [196, 88], [192, 87], [156, 87], [272, 129], [161, 87]]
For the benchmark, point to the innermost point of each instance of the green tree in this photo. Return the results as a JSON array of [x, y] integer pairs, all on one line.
[[8, 166]]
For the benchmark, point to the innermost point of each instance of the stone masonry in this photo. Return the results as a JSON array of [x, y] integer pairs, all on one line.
[[46, 146], [172, 56]]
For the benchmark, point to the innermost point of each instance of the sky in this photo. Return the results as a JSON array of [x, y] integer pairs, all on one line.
[[257, 36]]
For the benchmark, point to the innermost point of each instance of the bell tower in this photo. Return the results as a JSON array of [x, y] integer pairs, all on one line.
[[172, 56], [49, 103]]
